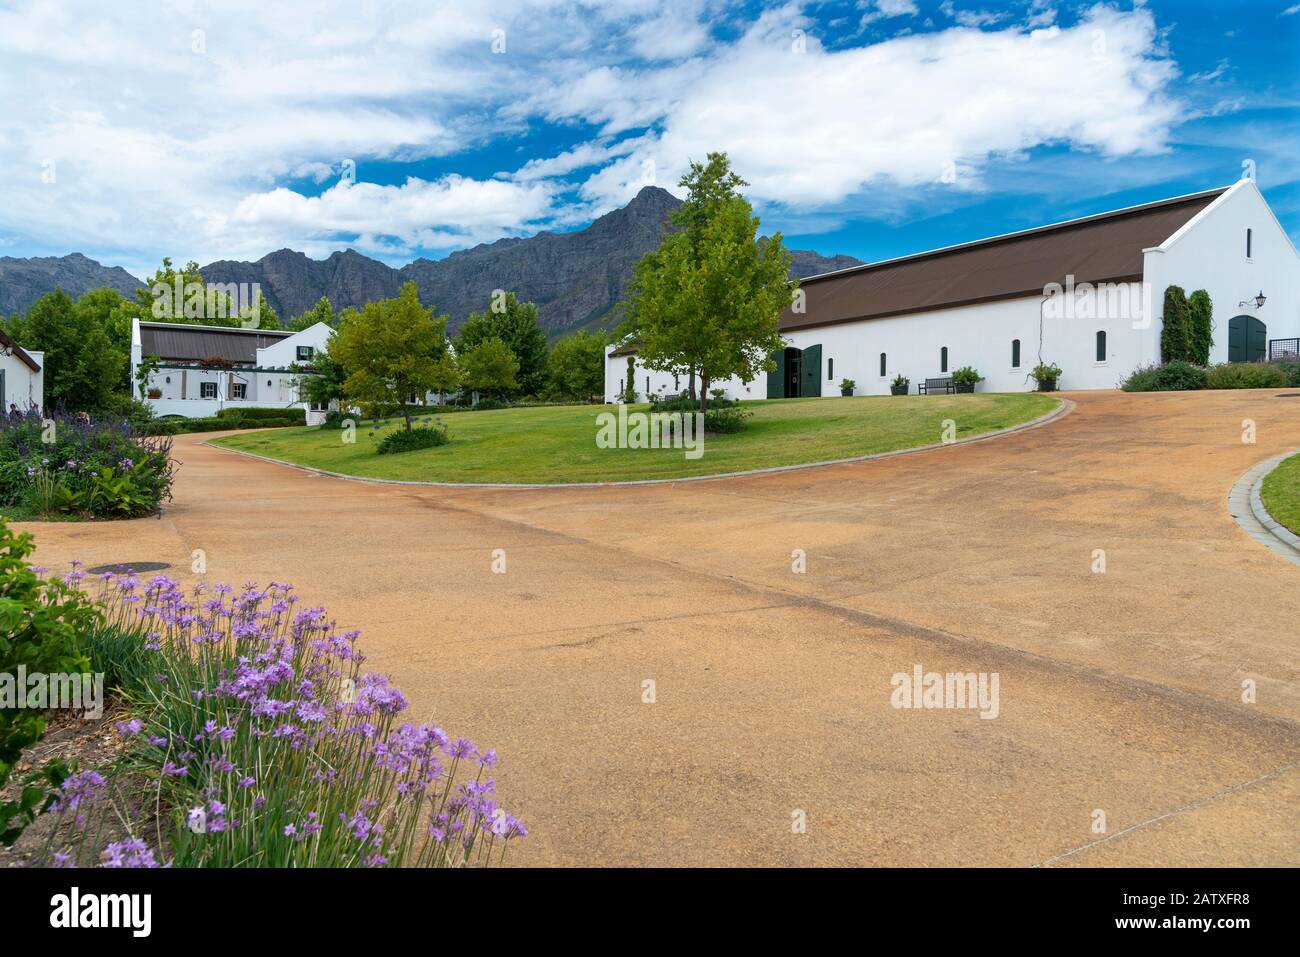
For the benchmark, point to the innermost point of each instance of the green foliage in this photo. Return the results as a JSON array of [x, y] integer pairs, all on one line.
[[250, 414], [901, 380], [41, 624], [392, 350], [1246, 375], [576, 369], [707, 301], [628, 395], [1175, 335], [966, 376], [1291, 369], [1046, 372], [83, 366], [489, 366], [1170, 377], [1200, 327], [199, 303], [516, 324], [847, 386], [408, 440], [726, 420], [323, 311], [490, 405]]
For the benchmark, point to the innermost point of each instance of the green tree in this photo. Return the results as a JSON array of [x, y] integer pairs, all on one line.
[[83, 367], [490, 367], [576, 369], [323, 311], [393, 350], [1200, 326], [516, 324], [159, 301], [327, 377], [708, 300], [1174, 334]]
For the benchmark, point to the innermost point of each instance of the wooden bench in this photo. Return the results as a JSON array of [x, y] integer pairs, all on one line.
[[936, 385]]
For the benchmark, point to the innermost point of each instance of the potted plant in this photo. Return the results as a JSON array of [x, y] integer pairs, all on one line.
[[899, 385], [965, 378], [154, 393], [1046, 376], [847, 386]]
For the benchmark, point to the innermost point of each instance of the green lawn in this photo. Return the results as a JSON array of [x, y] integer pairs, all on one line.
[[558, 444], [1281, 493]]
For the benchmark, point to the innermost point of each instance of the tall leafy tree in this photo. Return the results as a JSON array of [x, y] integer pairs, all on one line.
[[156, 301], [393, 350], [516, 324], [323, 311], [708, 300], [83, 367], [490, 367], [577, 366]]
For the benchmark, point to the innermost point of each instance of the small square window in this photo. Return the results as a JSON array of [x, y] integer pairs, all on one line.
[[207, 390], [306, 352], [239, 390]]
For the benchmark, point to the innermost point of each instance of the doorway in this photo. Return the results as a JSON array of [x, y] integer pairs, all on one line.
[[1247, 339]]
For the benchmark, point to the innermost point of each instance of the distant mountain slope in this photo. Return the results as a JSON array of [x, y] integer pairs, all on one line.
[[23, 281], [575, 278]]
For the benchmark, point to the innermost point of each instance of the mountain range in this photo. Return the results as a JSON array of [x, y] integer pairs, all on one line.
[[575, 278]]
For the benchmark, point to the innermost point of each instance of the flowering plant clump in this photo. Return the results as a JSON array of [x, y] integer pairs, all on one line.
[[75, 465], [274, 748]]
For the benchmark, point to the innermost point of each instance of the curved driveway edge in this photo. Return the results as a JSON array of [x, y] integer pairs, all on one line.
[[1064, 407], [1248, 509]]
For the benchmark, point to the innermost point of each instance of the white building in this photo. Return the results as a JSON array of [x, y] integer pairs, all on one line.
[[22, 379], [1086, 295], [203, 369]]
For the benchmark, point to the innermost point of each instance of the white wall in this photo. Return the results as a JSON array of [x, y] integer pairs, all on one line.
[[285, 352], [22, 386], [1210, 253], [666, 385]]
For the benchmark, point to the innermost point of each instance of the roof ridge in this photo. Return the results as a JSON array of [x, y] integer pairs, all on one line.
[[154, 324], [1002, 237]]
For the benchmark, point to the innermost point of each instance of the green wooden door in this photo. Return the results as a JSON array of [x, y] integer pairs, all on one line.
[[776, 378], [1247, 339], [810, 372]]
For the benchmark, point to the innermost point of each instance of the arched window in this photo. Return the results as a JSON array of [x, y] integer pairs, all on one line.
[[830, 368], [1101, 345], [882, 365], [1249, 250], [943, 359], [1015, 353]]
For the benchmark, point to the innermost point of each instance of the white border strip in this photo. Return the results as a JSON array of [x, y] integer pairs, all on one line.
[[1246, 506], [1064, 407]]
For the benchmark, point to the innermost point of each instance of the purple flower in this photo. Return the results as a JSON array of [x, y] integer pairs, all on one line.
[[133, 853], [128, 728], [76, 789]]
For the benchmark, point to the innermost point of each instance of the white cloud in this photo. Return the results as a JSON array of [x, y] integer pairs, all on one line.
[[162, 149]]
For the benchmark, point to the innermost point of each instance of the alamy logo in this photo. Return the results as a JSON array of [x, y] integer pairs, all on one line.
[[36, 691], [1130, 301], [931, 689], [134, 911], [651, 430], [215, 300]]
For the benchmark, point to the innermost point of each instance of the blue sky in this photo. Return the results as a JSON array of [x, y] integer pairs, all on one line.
[[869, 127]]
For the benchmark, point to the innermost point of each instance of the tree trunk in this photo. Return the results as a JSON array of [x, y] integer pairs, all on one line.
[[704, 393], [691, 383], [406, 416]]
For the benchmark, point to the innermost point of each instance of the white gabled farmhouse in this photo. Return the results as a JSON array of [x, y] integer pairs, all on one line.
[[1085, 295], [203, 369]]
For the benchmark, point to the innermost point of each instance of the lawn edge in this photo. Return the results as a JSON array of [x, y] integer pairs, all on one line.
[[1064, 407], [1247, 509]]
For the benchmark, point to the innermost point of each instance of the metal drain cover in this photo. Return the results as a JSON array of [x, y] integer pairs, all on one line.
[[126, 568]]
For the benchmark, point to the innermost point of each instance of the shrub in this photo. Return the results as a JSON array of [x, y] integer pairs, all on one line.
[[1200, 327], [1291, 369], [1246, 375], [847, 386], [297, 416], [901, 380], [1175, 336], [419, 437], [1046, 372], [72, 465], [966, 376], [268, 745], [684, 403], [41, 627], [726, 420], [488, 405], [1170, 377]]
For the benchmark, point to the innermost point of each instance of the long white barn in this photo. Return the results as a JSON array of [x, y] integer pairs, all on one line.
[[1086, 295]]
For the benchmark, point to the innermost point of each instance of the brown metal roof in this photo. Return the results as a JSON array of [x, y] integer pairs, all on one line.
[[1102, 248], [19, 352], [190, 342]]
